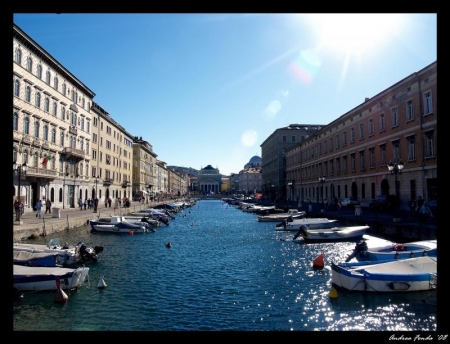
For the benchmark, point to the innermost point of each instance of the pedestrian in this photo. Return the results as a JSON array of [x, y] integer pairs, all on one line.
[[80, 203], [109, 202], [336, 201], [17, 209], [22, 208], [38, 207], [339, 205], [412, 205], [48, 206], [424, 212], [419, 203], [85, 204]]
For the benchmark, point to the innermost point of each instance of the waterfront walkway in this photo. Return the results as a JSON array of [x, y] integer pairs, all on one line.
[[69, 218]]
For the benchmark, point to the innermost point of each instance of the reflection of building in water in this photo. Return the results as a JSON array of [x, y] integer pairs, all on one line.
[[209, 180]]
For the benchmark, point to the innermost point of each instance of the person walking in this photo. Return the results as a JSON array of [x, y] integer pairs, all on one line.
[[48, 206], [38, 207], [424, 212], [80, 203], [419, 203], [17, 209]]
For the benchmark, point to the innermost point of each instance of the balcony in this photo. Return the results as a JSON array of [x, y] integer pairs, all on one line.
[[126, 184], [37, 172], [73, 130], [73, 153], [108, 181]]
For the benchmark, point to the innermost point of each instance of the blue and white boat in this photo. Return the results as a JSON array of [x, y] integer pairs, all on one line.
[[402, 275], [117, 224], [26, 278], [393, 251]]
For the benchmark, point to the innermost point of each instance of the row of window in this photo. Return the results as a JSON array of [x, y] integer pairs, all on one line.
[[38, 74], [334, 166]]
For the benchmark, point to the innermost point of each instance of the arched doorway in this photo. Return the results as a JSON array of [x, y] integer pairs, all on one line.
[[354, 192], [384, 187]]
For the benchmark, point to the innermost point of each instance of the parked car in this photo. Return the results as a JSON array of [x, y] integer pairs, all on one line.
[[349, 202], [384, 202]]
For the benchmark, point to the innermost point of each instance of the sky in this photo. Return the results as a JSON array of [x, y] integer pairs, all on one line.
[[209, 89]]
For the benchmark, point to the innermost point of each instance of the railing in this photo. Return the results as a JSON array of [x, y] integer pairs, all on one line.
[[37, 172]]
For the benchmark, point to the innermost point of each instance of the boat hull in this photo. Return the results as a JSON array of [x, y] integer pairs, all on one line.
[[27, 278], [118, 229], [413, 274], [399, 251], [354, 233]]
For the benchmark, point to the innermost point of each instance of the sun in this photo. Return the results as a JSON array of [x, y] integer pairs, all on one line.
[[353, 33]]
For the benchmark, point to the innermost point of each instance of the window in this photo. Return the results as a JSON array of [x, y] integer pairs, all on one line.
[[61, 138], [53, 135], [284, 136], [361, 131], [94, 154], [344, 138], [37, 99], [95, 122], [337, 141], [331, 167], [18, 56], [15, 121], [87, 147], [353, 161], [382, 122], [45, 132], [394, 112], [429, 144], [55, 108], [17, 88], [26, 126], [409, 110], [35, 160], [47, 104], [64, 90], [338, 165], [396, 151], [352, 135], [412, 148], [73, 119], [29, 64], [39, 71], [55, 83], [362, 160], [36, 128], [383, 155], [94, 137], [370, 126], [325, 148], [344, 164], [88, 126], [82, 124], [63, 112], [28, 94], [293, 138], [428, 103], [47, 77], [371, 157]]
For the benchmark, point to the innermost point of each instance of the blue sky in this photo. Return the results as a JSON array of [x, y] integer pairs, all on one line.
[[208, 89]]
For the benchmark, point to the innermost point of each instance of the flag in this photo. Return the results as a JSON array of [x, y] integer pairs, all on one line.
[[44, 162]]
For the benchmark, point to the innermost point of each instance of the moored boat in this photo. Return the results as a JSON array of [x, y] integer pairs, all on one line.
[[330, 232], [26, 278], [117, 224], [290, 214], [411, 274]]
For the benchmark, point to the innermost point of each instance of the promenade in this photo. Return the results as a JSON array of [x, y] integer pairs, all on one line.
[[69, 218], [383, 224]]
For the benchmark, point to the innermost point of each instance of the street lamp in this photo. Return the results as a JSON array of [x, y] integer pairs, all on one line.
[[396, 169], [321, 181], [128, 184], [95, 194], [291, 184], [274, 194], [19, 170]]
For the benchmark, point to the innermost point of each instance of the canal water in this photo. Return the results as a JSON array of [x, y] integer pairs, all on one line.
[[225, 271]]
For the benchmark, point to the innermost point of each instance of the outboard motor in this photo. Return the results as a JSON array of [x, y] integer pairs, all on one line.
[[360, 249], [86, 254]]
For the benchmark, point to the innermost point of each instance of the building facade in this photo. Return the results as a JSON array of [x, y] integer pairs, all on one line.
[[352, 154]]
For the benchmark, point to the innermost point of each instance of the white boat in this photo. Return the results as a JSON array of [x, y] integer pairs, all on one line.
[[403, 275], [36, 258], [392, 251], [294, 225], [117, 224], [26, 278], [67, 255], [290, 214], [150, 222], [326, 232]]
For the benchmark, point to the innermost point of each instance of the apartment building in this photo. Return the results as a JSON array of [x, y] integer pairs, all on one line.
[[144, 169], [273, 155], [351, 156], [52, 128], [111, 158]]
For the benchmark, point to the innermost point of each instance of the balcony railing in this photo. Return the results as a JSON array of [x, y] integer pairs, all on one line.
[[73, 153], [41, 172], [108, 181]]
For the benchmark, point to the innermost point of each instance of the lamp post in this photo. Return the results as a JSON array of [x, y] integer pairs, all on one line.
[[274, 194], [321, 181], [95, 194], [291, 184], [396, 169], [19, 170], [127, 188]]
